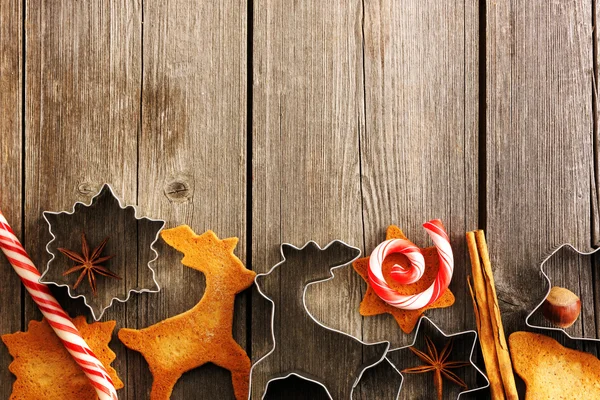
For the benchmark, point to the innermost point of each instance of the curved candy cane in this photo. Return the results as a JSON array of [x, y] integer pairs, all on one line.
[[440, 239], [400, 274], [54, 314]]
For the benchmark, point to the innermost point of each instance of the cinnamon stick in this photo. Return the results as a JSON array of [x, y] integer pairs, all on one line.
[[506, 371], [484, 322]]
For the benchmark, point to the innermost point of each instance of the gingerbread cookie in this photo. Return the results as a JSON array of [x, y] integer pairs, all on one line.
[[552, 371], [202, 334], [406, 319], [45, 370]]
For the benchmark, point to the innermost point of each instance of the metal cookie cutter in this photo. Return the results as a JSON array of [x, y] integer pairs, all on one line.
[[528, 320], [398, 362], [302, 346], [131, 241]]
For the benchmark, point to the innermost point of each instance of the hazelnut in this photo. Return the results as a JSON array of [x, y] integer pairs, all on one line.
[[561, 307]]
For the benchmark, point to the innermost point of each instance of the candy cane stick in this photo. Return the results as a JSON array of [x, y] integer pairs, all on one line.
[[436, 231], [54, 314], [410, 250]]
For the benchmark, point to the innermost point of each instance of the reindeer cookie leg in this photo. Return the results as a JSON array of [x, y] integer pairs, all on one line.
[[163, 381], [233, 358], [162, 385]]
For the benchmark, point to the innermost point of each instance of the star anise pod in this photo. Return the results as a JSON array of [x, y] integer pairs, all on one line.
[[89, 263], [439, 364]]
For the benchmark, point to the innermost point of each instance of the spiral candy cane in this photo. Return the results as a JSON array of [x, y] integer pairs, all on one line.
[[54, 314], [440, 239], [412, 252]]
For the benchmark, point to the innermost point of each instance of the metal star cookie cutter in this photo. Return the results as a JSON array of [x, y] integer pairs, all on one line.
[[130, 236], [528, 322], [391, 353], [292, 351]]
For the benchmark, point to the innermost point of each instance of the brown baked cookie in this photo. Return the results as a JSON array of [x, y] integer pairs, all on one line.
[[406, 319], [552, 371], [45, 370], [204, 333]]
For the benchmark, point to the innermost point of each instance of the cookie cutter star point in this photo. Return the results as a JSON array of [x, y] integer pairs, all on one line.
[[106, 194], [448, 336], [528, 319]]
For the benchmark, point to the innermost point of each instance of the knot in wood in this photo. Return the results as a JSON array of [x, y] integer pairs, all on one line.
[[178, 191], [87, 189]]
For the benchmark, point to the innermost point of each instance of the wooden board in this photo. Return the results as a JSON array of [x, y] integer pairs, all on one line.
[[363, 114], [539, 150], [11, 193], [307, 113], [82, 113], [96, 76], [419, 149], [192, 159], [596, 172]]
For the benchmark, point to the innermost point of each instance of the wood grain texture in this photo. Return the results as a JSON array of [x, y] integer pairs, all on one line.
[[307, 113], [539, 150], [596, 182], [192, 159], [419, 149], [596, 123], [82, 112], [364, 114], [11, 112]]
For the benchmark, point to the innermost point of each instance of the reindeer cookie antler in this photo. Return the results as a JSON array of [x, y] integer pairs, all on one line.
[[204, 333]]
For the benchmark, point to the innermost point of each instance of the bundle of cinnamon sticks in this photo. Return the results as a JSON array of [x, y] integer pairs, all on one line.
[[489, 323]]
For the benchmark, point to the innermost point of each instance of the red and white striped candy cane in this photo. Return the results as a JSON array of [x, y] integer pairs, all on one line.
[[402, 246], [54, 314], [436, 231]]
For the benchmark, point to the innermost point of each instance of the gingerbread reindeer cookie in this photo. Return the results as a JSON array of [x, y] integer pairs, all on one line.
[[204, 333]]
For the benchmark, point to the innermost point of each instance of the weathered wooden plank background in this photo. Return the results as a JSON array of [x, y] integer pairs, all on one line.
[[288, 121]]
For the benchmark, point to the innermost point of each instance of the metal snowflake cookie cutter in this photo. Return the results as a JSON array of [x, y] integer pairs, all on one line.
[[528, 320], [131, 240], [299, 336], [397, 362]]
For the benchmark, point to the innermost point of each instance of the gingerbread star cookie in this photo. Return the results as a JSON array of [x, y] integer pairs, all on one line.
[[406, 319], [45, 370]]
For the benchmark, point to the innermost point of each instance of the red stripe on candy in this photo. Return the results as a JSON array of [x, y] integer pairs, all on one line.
[[437, 233], [52, 311]]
